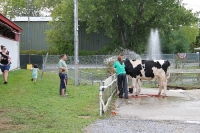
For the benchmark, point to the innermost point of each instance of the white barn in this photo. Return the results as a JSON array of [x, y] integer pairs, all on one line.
[[10, 37]]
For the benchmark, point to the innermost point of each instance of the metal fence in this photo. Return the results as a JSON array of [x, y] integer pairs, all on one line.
[[182, 61], [87, 78], [86, 62], [97, 61]]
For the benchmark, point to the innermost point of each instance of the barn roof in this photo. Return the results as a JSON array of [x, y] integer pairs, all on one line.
[[9, 24]]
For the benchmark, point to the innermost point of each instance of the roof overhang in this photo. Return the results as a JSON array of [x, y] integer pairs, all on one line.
[[6, 22]]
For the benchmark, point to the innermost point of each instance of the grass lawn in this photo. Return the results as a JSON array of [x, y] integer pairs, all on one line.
[[26, 107]]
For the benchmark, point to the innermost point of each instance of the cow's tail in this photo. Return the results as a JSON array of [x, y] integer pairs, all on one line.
[[168, 76]]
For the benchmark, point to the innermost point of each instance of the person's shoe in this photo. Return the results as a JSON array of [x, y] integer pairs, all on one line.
[[126, 97], [5, 82], [120, 96]]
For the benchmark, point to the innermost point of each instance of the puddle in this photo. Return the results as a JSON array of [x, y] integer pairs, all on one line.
[[153, 101]]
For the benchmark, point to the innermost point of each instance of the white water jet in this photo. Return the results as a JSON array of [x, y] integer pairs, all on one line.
[[154, 49]]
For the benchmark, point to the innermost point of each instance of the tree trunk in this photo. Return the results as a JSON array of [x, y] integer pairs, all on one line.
[[123, 38], [121, 31], [140, 12]]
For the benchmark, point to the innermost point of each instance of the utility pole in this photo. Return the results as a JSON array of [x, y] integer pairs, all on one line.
[[29, 42], [76, 62]]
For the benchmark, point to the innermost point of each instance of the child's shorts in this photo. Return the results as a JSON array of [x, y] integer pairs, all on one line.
[[62, 86]]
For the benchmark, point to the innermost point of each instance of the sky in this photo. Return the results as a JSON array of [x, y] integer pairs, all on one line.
[[192, 4]]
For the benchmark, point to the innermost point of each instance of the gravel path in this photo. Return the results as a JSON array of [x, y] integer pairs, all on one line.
[[136, 125]]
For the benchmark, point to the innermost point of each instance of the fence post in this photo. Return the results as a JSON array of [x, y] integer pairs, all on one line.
[[199, 59], [96, 61], [100, 104], [80, 77], [92, 79]]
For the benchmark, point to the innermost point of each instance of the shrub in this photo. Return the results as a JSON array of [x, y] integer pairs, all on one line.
[[35, 52]]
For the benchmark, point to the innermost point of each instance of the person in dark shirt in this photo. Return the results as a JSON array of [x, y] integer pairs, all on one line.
[[63, 82], [5, 61]]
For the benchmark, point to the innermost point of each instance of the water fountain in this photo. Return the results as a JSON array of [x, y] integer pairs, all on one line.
[[154, 49]]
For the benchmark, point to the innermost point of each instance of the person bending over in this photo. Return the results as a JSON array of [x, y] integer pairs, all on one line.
[[121, 77]]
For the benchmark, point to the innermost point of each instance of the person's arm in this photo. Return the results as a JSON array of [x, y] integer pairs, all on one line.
[[64, 80], [9, 59], [114, 67], [0, 57], [60, 66]]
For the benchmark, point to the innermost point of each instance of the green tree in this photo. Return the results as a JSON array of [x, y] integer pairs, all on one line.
[[191, 32], [176, 42], [127, 22], [60, 36], [197, 43], [12, 8]]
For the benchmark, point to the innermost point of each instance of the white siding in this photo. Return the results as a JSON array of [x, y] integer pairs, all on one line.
[[13, 47]]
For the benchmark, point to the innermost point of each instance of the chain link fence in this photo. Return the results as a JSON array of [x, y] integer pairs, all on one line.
[[85, 62], [99, 61], [184, 61]]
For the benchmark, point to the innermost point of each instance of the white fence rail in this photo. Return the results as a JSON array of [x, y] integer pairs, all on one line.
[[106, 92]]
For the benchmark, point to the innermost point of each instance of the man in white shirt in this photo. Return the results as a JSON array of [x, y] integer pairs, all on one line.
[[62, 64]]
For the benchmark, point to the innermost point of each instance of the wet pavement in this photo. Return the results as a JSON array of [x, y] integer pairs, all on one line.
[[179, 112], [178, 105]]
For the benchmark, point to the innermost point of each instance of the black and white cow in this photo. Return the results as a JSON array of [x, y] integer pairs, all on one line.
[[147, 70]]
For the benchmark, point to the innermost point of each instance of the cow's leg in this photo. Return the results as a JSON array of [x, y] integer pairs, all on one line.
[[165, 88], [134, 85], [160, 86], [138, 87]]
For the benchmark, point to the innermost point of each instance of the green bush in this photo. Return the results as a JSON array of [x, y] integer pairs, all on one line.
[[35, 52], [103, 51]]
